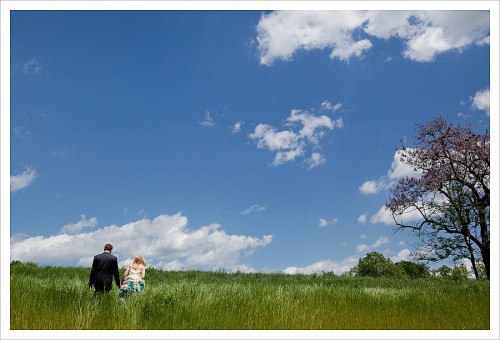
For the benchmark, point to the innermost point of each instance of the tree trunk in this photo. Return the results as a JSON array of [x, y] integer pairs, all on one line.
[[473, 261], [485, 253], [485, 240]]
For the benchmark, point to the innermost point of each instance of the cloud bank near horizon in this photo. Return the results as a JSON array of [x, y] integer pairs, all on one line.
[[165, 241], [167, 244]]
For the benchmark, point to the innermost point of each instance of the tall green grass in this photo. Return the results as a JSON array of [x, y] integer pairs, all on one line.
[[58, 298]]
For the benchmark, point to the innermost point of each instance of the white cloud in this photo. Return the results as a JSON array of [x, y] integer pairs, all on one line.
[[282, 157], [253, 209], [324, 266], [347, 48], [243, 268], [73, 228], [377, 244], [400, 170], [380, 241], [23, 180], [403, 255], [371, 187], [362, 236], [268, 137], [282, 33], [310, 124], [323, 222], [427, 44], [425, 34], [481, 101], [362, 219], [362, 247], [435, 32], [385, 216], [164, 241], [397, 171], [207, 121], [304, 132], [237, 126]]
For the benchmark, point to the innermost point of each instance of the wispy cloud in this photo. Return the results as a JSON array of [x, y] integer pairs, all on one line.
[[377, 244], [326, 105], [165, 241], [323, 222], [315, 160], [362, 219], [237, 126], [77, 227], [303, 133], [21, 132], [60, 152], [253, 209], [207, 120], [32, 66], [425, 34], [23, 180]]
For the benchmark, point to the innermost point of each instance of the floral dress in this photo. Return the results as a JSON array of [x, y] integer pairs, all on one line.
[[132, 283]]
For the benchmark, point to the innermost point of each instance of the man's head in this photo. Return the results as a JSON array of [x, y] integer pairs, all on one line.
[[108, 247]]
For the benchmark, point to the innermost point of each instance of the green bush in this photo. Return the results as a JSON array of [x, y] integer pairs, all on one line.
[[414, 270], [375, 264]]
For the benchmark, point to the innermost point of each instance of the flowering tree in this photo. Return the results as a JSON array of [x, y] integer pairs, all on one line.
[[451, 194]]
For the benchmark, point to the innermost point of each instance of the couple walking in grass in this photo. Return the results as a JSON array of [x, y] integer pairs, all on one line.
[[105, 269]]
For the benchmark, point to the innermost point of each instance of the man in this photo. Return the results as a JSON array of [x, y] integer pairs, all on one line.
[[104, 269]]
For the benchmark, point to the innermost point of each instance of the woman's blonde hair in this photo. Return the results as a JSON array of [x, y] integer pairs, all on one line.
[[139, 259]]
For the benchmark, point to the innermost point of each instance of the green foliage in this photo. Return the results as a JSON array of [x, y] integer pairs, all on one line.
[[459, 273], [443, 271], [56, 298], [481, 271], [375, 264], [414, 270]]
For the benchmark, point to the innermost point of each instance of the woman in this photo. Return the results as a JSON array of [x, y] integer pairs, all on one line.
[[133, 277]]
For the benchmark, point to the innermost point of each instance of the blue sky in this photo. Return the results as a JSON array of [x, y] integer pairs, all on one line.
[[251, 140]]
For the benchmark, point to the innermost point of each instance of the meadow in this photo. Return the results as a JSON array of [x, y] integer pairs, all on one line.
[[58, 298]]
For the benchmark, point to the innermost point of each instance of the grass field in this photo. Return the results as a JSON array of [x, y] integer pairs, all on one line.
[[57, 298]]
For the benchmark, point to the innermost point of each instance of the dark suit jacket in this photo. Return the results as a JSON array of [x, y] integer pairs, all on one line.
[[104, 269]]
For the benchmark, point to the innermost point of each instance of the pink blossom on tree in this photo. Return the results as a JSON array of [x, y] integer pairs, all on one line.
[[452, 194]]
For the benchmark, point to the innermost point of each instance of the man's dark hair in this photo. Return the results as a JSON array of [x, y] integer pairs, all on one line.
[[108, 247]]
